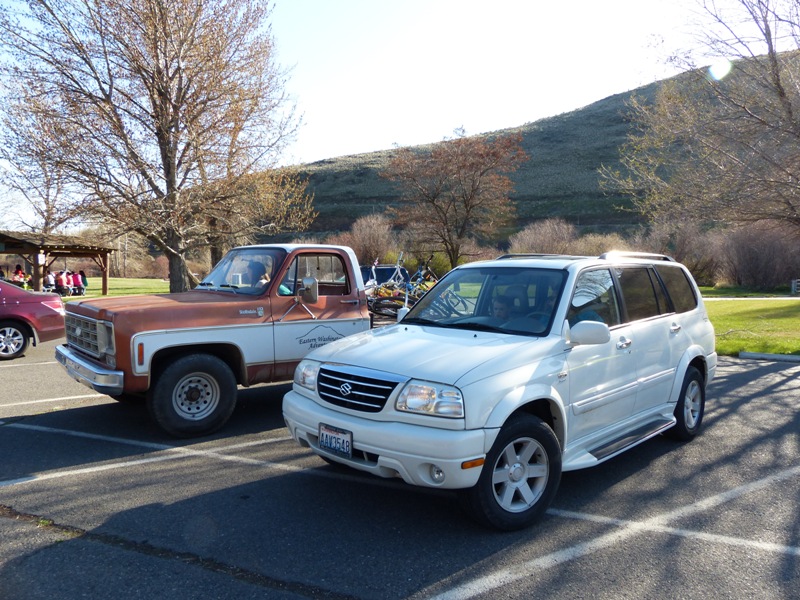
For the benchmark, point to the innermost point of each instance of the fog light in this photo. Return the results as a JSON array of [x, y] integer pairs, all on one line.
[[437, 474]]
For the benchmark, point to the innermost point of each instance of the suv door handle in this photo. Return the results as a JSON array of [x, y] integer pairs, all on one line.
[[674, 328], [624, 343]]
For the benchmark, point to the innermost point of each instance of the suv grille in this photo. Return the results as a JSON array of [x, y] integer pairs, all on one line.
[[82, 333], [356, 392]]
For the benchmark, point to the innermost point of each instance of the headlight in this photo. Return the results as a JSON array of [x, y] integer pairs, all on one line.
[[428, 398], [105, 342], [305, 375]]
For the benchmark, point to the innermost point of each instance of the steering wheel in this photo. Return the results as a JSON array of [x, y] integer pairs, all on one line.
[[539, 316]]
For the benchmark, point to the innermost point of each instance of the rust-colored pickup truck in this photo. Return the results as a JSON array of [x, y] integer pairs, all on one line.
[[251, 320]]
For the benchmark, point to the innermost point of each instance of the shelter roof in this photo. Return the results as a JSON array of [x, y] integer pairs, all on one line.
[[15, 242]]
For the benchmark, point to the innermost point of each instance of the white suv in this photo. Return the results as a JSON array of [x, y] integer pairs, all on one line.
[[509, 372]]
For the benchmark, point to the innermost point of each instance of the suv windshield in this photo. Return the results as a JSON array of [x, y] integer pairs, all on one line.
[[244, 270], [513, 300]]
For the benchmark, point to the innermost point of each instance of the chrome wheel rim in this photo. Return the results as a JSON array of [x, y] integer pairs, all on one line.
[[692, 404], [11, 341], [519, 477]]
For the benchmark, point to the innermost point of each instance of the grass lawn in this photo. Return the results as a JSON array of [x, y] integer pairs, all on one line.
[[746, 324], [124, 286], [756, 325]]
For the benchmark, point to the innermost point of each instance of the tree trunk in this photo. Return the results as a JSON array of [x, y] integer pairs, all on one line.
[[217, 252], [180, 280]]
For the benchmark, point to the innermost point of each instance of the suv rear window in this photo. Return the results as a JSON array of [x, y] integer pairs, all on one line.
[[639, 294], [680, 290]]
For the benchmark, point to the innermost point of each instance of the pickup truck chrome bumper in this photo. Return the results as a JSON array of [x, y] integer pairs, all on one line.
[[89, 374]]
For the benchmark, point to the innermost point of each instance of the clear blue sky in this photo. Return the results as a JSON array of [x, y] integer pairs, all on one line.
[[370, 74]]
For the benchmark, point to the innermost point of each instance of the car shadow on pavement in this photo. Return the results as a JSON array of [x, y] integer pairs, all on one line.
[[291, 526], [73, 437]]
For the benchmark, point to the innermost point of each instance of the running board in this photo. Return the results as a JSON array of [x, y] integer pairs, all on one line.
[[637, 436]]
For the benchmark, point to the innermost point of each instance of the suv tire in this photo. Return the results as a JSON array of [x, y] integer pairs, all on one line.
[[519, 478], [690, 408]]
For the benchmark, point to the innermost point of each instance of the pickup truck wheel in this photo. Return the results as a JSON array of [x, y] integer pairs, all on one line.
[[520, 476], [690, 408], [195, 395], [14, 340]]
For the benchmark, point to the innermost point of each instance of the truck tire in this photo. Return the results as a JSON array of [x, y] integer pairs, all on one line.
[[194, 395], [520, 476]]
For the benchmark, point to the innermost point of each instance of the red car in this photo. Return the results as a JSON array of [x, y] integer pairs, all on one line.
[[26, 316]]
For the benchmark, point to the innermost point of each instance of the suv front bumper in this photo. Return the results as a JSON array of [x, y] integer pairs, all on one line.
[[89, 374], [391, 449]]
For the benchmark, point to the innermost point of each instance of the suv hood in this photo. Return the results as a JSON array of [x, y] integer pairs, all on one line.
[[451, 356]]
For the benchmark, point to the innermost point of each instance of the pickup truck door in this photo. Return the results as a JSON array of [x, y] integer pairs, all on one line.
[[338, 312]]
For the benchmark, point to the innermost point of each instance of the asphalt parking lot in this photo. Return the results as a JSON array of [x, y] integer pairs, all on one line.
[[95, 502]]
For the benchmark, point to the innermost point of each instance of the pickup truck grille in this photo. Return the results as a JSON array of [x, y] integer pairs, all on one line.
[[82, 333], [354, 391]]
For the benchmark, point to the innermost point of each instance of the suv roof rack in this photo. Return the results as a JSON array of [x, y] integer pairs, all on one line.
[[536, 255], [647, 255]]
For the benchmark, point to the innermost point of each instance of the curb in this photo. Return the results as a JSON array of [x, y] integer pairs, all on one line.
[[775, 357]]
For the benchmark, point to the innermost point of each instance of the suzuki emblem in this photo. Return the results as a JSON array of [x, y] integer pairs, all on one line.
[[345, 389]]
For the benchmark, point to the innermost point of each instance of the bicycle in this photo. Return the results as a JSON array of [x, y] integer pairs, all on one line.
[[391, 296]]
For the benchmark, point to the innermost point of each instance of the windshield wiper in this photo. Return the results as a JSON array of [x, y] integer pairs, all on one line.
[[476, 327], [419, 321], [230, 286]]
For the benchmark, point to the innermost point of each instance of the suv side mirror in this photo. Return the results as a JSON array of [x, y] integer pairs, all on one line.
[[309, 293], [589, 332]]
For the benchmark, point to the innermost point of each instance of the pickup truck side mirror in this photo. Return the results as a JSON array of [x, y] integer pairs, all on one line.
[[309, 293]]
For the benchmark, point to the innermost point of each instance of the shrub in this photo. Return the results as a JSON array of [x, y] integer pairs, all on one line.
[[549, 236], [371, 237], [763, 256]]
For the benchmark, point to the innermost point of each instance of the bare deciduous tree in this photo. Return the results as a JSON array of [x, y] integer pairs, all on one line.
[[29, 176], [163, 116], [724, 148], [456, 191]]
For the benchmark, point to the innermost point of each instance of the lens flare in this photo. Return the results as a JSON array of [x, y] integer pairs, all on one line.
[[720, 69]]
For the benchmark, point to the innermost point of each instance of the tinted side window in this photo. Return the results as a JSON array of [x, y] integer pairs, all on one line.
[[678, 286], [638, 293]]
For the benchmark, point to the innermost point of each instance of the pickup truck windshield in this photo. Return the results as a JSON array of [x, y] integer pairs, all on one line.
[[514, 300], [244, 271]]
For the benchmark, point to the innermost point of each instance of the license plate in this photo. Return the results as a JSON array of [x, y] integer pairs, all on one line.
[[338, 441]]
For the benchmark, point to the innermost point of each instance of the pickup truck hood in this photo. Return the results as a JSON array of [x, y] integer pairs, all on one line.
[[161, 311], [452, 356]]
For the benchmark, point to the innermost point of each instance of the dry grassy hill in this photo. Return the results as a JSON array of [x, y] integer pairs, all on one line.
[[560, 179]]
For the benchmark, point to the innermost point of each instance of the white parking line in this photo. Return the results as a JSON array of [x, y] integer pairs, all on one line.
[[627, 529], [37, 364], [62, 399], [173, 452], [181, 452]]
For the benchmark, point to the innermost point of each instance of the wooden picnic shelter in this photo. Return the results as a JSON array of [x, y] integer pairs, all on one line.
[[39, 251]]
